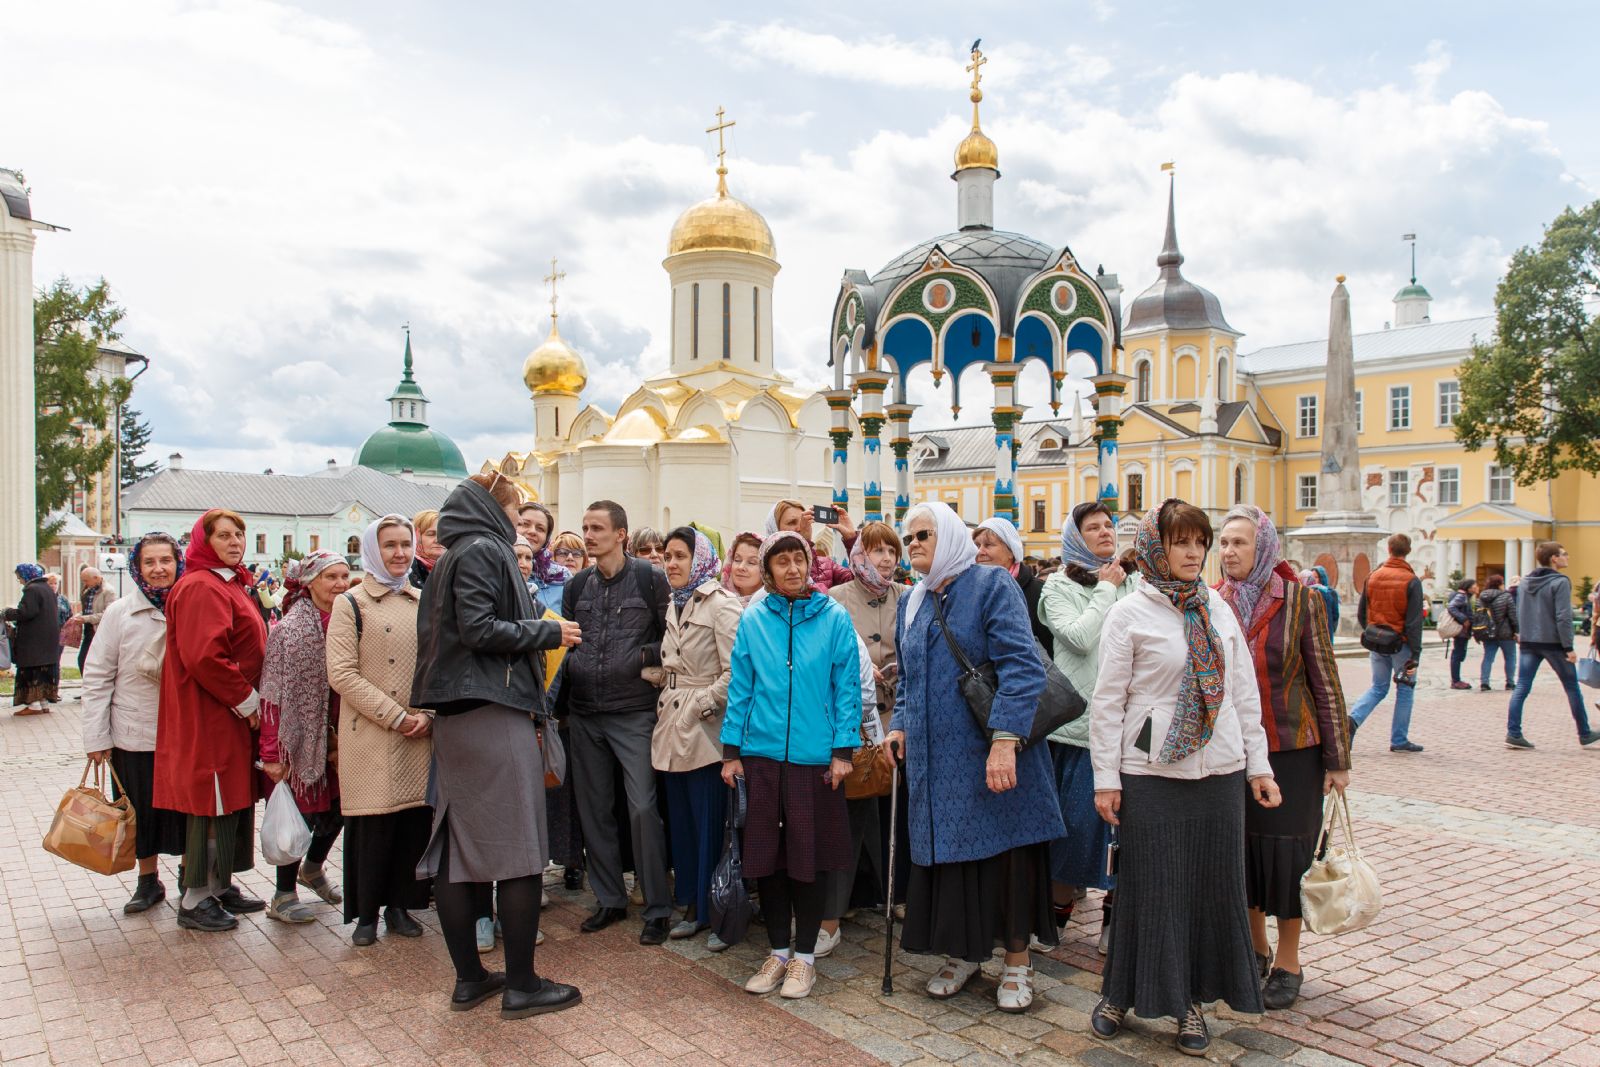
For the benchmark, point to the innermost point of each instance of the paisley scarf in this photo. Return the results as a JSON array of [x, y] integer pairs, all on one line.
[[30, 572], [1200, 694], [294, 680], [702, 568], [157, 597], [299, 573], [784, 541], [1247, 596], [875, 584]]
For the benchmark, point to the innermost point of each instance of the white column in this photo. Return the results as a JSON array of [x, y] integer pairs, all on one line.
[[18, 531], [1513, 553], [1527, 554], [1470, 559]]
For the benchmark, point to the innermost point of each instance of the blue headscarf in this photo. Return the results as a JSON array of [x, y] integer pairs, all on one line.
[[30, 572], [1074, 549]]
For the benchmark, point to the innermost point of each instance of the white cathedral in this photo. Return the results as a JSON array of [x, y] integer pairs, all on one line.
[[720, 436]]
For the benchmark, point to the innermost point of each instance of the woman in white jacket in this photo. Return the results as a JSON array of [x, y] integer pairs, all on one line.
[[1174, 734], [121, 692]]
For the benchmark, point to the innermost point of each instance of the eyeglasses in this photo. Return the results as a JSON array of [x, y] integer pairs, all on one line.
[[919, 536], [566, 553]]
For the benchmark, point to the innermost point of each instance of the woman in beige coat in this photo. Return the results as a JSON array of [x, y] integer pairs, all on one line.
[[696, 653], [384, 746]]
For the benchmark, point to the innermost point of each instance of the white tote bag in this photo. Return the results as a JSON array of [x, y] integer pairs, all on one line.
[[285, 837], [1340, 891]]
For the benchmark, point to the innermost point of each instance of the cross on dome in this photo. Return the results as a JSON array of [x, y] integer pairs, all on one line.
[[722, 150], [551, 279]]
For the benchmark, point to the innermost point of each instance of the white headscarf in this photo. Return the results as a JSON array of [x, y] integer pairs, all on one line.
[[1006, 532], [372, 556], [953, 552]]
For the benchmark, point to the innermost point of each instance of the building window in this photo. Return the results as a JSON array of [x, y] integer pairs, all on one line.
[[316, 542], [352, 546], [1449, 402], [1399, 407], [288, 544], [1449, 485], [1307, 495], [261, 544], [1141, 388], [694, 321], [1222, 379], [1238, 484], [727, 322], [1361, 417], [1502, 487], [1135, 500], [1399, 488], [1306, 419], [755, 318], [1038, 516]]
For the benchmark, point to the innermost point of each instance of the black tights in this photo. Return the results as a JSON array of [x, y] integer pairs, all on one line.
[[518, 906], [320, 847], [783, 899]]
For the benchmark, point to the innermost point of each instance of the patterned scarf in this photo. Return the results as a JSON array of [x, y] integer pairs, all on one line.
[[1200, 695], [784, 541], [294, 678], [702, 568], [30, 572], [1248, 597], [299, 573], [748, 537], [157, 597], [867, 574]]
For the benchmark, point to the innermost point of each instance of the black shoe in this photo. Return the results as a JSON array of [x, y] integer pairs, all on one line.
[[1263, 966], [234, 900], [602, 918], [399, 921], [1282, 988], [1517, 741], [549, 997], [572, 878], [654, 932], [1589, 737], [1409, 746], [1105, 1022], [146, 895], [1483, 687], [1193, 1037], [469, 995], [366, 934], [206, 915]]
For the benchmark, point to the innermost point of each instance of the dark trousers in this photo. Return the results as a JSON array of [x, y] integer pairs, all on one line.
[[697, 806], [1527, 666], [605, 747], [83, 647], [785, 901], [1458, 654], [321, 845]]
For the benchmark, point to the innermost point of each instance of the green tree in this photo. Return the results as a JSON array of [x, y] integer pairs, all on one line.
[[135, 439], [1531, 393], [75, 404]]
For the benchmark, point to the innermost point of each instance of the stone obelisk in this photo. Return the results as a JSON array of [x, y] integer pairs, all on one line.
[[1339, 531]]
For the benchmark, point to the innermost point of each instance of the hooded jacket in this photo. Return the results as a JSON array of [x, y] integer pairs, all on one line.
[[1502, 609], [1544, 608], [476, 631]]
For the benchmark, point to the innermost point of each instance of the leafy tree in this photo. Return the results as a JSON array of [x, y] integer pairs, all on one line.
[[69, 326], [1532, 392], [135, 439]]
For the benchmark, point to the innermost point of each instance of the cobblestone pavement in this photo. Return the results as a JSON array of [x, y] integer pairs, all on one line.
[[1488, 950]]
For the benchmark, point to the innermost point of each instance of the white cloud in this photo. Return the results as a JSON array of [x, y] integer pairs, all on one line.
[[881, 59]]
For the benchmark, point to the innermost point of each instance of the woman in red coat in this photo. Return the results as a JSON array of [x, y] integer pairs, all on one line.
[[205, 751]]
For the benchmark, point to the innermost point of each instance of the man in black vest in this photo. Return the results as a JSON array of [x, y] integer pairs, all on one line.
[[621, 605]]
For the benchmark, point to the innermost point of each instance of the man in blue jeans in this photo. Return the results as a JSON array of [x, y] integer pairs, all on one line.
[[1392, 599], [1544, 615]]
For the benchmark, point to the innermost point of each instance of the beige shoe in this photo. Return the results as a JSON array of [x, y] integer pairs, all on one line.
[[827, 942], [768, 978], [798, 978]]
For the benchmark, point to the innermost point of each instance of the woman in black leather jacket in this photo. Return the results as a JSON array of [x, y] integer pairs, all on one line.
[[480, 669]]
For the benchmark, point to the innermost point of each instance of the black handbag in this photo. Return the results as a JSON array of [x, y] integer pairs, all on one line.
[[731, 908], [1381, 639], [1059, 703]]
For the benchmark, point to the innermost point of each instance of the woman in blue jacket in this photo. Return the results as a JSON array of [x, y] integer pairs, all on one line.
[[983, 809], [790, 733]]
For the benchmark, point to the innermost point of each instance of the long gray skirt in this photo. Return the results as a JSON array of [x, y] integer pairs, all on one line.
[[489, 780], [1180, 933]]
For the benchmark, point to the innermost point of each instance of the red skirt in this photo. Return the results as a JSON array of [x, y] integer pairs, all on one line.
[[797, 823]]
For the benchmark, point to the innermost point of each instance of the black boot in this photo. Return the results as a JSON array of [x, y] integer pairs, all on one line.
[[146, 895]]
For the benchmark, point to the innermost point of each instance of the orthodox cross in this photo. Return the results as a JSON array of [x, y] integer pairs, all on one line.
[[976, 66], [551, 279], [722, 150]]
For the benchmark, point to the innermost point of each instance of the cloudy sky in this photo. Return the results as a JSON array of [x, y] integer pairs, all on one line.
[[273, 190]]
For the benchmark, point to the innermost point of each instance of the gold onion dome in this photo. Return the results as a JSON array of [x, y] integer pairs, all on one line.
[[554, 367], [722, 224]]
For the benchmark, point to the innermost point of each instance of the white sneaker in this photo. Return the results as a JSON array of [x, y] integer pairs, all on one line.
[[1015, 992], [827, 942]]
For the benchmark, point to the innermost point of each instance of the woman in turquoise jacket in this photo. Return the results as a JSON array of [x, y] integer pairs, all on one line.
[[789, 731]]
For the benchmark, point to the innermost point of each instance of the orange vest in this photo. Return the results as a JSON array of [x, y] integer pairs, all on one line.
[[1386, 594]]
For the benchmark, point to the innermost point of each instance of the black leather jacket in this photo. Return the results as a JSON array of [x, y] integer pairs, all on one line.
[[477, 637]]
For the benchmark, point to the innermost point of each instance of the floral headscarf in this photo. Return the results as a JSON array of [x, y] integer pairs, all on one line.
[[783, 541], [702, 568], [1246, 596], [875, 583], [299, 573], [748, 537], [30, 572], [1200, 694], [546, 571], [157, 597]]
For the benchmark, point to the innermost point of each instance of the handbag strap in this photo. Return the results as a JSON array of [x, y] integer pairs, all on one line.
[[944, 627]]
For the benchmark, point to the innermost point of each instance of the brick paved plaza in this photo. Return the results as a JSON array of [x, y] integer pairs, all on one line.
[[1488, 950]]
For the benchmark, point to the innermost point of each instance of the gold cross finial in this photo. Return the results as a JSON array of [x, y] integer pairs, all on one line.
[[722, 150], [551, 279], [976, 67], [1169, 166]]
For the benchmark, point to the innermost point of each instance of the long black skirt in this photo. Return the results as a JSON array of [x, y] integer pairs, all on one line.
[[965, 910], [158, 832], [380, 862], [1180, 933], [561, 817], [1279, 842]]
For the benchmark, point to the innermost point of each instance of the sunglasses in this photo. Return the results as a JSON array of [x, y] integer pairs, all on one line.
[[919, 536]]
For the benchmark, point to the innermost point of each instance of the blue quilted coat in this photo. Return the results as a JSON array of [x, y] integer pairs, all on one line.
[[953, 817]]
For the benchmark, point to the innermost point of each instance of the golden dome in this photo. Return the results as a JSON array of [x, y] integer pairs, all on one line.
[[554, 367], [976, 150], [722, 224]]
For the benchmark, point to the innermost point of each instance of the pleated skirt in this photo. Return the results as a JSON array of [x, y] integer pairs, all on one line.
[[1079, 857], [1279, 842], [1180, 933], [159, 832], [966, 910]]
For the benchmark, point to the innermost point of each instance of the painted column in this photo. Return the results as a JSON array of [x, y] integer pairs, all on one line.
[[1108, 389], [871, 384], [18, 532], [900, 442], [1006, 414], [1513, 557], [839, 408]]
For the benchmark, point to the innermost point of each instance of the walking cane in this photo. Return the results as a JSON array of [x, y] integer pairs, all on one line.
[[888, 909]]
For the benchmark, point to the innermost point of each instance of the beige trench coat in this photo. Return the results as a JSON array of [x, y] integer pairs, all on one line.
[[381, 770], [874, 618], [696, 657]]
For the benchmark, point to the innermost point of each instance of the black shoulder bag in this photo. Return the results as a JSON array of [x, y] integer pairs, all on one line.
[[1059, 703]]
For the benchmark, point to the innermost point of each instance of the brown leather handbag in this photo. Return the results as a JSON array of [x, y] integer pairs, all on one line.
[[95, 833], [871, 773]]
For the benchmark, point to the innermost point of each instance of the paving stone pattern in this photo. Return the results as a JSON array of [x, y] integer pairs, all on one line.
[[1488, 950]]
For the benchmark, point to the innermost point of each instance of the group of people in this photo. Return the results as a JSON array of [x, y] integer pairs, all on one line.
[[38, 631], [494, 695]]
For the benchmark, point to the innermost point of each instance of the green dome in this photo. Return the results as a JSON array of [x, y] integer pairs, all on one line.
[[409, 447], [1412, 292]]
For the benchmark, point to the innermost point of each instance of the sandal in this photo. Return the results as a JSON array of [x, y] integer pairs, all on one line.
[[289, 908], [1015, 992], [318, 883], [951, 979]]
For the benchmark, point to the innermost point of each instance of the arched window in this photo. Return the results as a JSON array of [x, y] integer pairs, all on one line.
[[694, 321], [1223, 392], [1141, 387], [755, 319], [727, 321], [1238, 484], [352, 547]]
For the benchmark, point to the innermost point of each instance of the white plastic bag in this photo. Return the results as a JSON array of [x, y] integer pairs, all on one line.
[[285, 837]]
